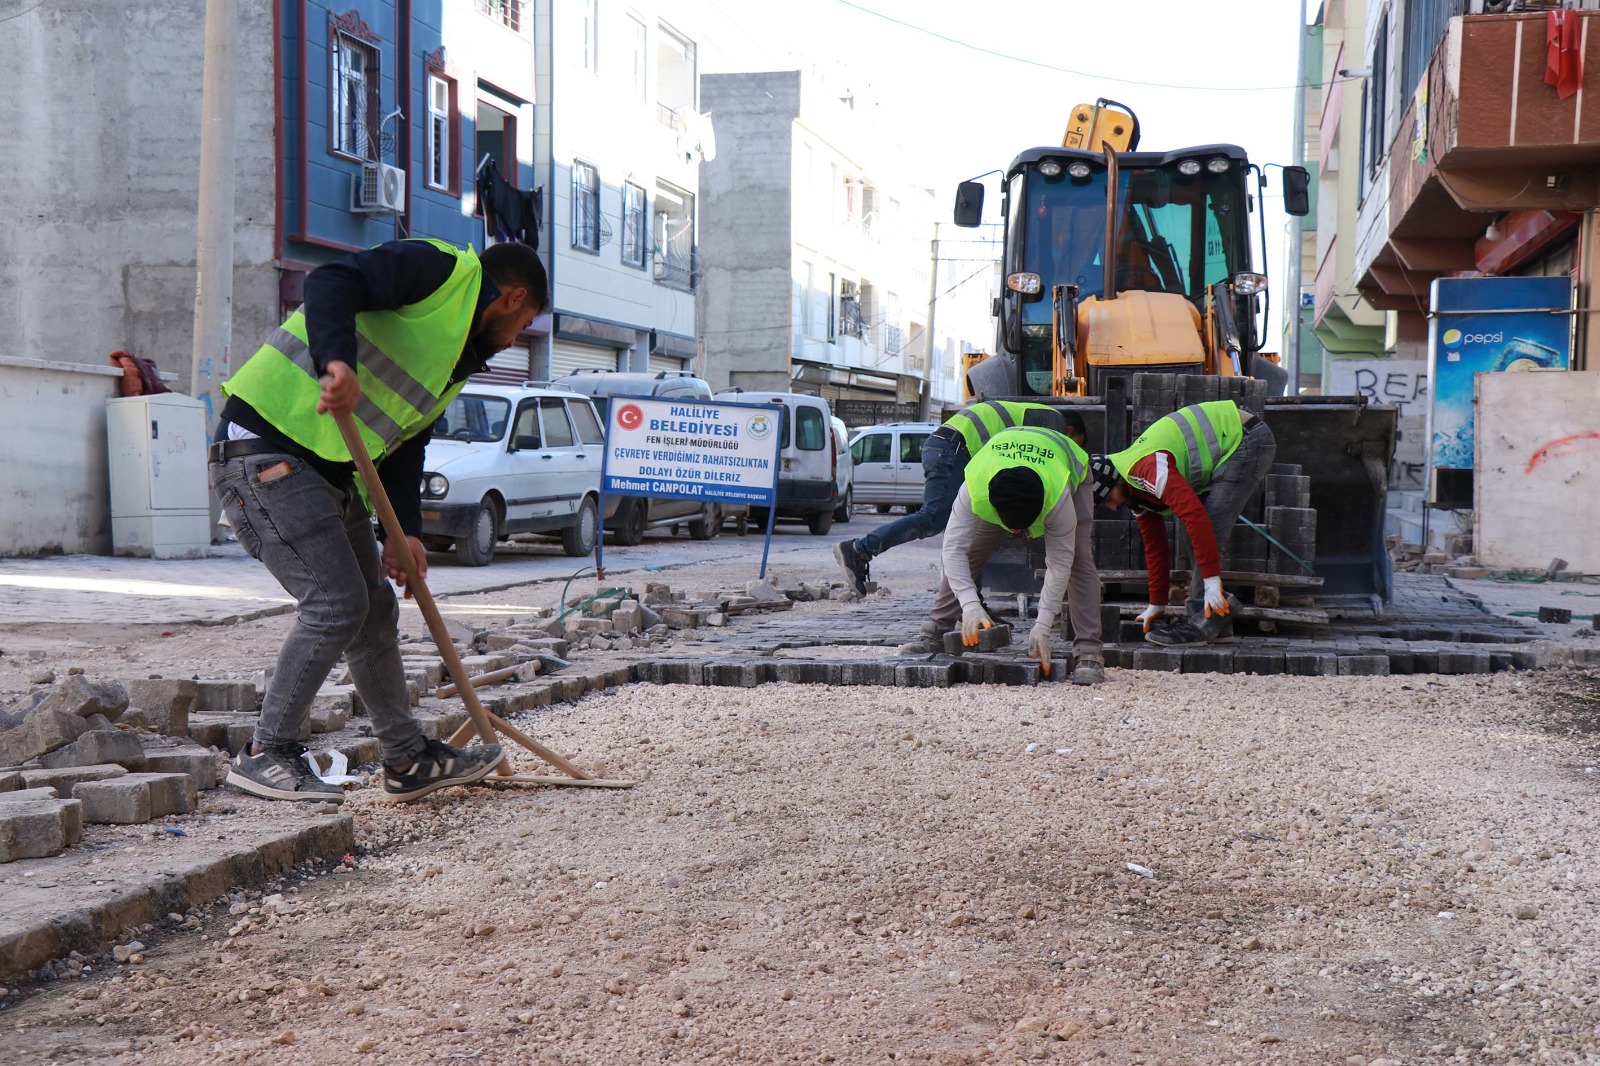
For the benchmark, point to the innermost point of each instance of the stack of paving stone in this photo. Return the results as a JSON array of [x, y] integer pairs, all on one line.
[[1290, 518]]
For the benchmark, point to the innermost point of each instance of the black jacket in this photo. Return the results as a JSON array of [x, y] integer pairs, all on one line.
[[385, 278]]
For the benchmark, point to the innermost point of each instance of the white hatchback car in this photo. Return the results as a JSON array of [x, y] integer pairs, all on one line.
[[506, 460]]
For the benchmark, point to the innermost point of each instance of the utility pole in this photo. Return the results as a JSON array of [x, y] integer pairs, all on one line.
[[923, 408], [1292, 268], [213, 287]]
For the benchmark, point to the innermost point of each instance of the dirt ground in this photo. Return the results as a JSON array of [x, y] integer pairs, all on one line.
[[1344, 871]]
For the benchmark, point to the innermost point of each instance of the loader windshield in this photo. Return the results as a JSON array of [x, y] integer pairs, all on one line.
[[1177, 233]]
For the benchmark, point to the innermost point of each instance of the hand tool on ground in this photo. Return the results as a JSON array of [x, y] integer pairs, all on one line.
[[484, 722]]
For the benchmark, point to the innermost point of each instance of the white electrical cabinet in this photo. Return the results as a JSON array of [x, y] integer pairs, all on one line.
[[160, 502]]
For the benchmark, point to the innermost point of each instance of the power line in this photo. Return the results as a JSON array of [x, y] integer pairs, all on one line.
[[1068, 70]]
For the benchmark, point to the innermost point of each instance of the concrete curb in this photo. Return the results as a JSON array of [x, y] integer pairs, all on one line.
[[54, 923]]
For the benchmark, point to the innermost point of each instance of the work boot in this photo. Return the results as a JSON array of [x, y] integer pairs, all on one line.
[[280, 773], [1091, 670], [440, 766], [854, 565], [930, 640], [1176, 633]]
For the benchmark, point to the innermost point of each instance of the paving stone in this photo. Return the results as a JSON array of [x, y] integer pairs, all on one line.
[[43, 731], [1310, 663], [994, 639], [440, 725], [565, 689], [198, 763], [136, 798], [97, 747], [1463, 662], [66, 779], [161, 705], [10, 780], [1363, 666], [1499, 661], [82, 697], [952, 643], [361, 751], [866, 673], [1257, 661], [1208, 660], [326, 719], [226, 697], [532, 699], [1424, 660], [1013, 672], [1110, 621], [1167, 659], [38, 827], [1524, 659], [1118, 656], [1401, 660], [28, 795], [737, 674], [924, 675]]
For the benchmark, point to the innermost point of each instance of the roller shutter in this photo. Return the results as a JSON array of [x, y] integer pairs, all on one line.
[[509, 367], [567, 356], [668, 363]]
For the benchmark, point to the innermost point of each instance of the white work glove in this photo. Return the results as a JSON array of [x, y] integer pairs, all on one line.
[[974, 618], [1150, 614], [1216, 602], [1039, 645]]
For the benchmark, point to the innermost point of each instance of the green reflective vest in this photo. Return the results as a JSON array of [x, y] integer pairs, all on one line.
[[1060, 464], [1200, 438], [980, 421], [404, 359]]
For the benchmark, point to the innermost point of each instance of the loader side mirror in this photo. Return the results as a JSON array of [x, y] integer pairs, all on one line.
[[1297, 191], [969, 204]]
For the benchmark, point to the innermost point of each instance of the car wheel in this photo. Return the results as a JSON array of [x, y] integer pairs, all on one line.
[[842, 512], [631, 530], [708, 525], [883, 508], [577, 540], [819, 522], [476, 546]]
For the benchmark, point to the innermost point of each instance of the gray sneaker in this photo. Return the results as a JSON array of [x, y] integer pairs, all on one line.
[[440, 766], [1176, 633], [280, 774], [853, 565]]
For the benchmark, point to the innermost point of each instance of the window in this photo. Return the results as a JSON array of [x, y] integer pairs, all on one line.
[[872, 448], [833, 289], [526, 434], [911, 447], [355, 104], [849, 308], [588, 425], [509, 13], [441, 108], [677, 76], [673, 232], [591, 34], [637, 36], [497, 137], [1378, 99], [473, 418], [585, 207], [810, 431], [808, 283], [635, 248], [553, 419]]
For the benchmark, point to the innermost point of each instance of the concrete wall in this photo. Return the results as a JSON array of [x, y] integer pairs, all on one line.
[[745, 229], [1537, 462], [103, 179], [54, 482]]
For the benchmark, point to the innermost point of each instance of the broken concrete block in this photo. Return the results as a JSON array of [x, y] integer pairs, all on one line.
[[96, 748], [28, 795], [136, 798], [67, 779], [10, 780], [43, 731], [679, 617], [228, 733], [198, 763], [163, 705], [82, 697], [227, 697], [325, 719], [37, 828]]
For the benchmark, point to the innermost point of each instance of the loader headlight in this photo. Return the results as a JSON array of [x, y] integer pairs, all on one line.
[[1026, 283], [1189, 167], [1247, 284], [1050, 168], [1218, 165], [435, 485], [1078, 170]]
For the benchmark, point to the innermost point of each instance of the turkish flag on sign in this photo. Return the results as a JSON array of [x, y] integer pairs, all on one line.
[[1563, 64]]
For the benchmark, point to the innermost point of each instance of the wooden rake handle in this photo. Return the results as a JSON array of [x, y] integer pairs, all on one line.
[[430, 610]]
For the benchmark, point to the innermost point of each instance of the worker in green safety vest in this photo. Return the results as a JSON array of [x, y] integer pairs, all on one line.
[[1025, 482], [1201, 463], [945, 454], [388, 336]]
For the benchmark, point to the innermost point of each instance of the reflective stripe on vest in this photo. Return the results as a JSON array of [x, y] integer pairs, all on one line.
[[404, 361], [1060, 463], [976, 430], [1199, 437]]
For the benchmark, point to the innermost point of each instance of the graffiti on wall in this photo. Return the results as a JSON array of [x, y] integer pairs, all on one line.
[[1402, 383]]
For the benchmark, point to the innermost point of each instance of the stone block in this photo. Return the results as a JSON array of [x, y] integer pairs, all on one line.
[[1117, 656], [1524, 658], [627, 617], [1169, 660], [28, 795], [866, 673], [1463, 662], [1310, 663], [136, 798], [923, 675], [1130, 631], [10, 780], [37, 828], [328, 719], [1012, 672], [227, 697], [96, 748], [43, 731], [1208, 661], [1110, 622], [1363, 666], [952, 643], [1499, 661], [361, 751], [564, 689], [530, 700], [802, 672], [162, 705], [737, 673], [67, 779], [198, 763], [1252, 661], [82, 697], [679, 617], [440, 725]]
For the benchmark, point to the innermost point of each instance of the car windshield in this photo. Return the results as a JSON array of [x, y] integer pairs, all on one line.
[[473, 418]]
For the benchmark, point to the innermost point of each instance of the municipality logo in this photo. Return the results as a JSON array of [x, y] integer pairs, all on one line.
[[760, 426]]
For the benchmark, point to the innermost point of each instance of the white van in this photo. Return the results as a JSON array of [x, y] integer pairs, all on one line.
[[808, 474], [888, 464]]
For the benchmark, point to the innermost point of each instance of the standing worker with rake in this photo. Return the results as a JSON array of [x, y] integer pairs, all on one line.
[[387, 336]]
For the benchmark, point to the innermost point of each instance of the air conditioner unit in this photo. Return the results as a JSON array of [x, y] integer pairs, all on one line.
[[379, 190]]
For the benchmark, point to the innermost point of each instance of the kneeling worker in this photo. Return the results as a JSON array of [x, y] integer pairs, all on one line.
[[1031, 482], [945, 454], [1210, 449]]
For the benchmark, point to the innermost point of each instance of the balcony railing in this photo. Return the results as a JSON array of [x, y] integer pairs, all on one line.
[[678, 270]]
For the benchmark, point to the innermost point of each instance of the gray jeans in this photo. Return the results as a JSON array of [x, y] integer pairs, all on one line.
[[316, 538], [1231, 486]]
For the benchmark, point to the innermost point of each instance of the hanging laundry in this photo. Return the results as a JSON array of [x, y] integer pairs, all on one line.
[[509, 214], [1563, 64]]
